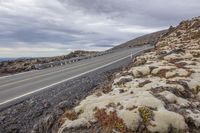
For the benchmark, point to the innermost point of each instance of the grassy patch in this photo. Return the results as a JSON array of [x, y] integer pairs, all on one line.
[[161, 73], [70, 115], [110, 121], [181, 64], [146, 114], [198, 89]]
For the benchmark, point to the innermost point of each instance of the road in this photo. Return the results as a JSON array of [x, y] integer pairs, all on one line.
[[16, 86]]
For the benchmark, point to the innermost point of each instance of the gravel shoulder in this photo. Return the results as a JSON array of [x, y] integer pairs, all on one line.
[[38, 113]]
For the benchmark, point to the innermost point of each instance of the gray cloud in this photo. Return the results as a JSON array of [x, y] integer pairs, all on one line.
[[59, 26], [155, 12]]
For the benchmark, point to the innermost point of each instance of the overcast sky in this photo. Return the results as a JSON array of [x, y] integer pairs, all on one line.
[[55, 27]]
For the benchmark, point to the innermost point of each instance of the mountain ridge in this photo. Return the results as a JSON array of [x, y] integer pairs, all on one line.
[[150, 38]]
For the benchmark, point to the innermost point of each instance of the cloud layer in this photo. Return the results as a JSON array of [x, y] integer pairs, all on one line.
[[55, 27]]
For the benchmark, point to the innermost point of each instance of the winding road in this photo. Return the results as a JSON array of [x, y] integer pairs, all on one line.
[[16, 86]]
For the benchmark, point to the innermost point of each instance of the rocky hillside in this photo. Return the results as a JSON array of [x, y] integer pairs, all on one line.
[[143, 40], [159, 93], [22, 65]]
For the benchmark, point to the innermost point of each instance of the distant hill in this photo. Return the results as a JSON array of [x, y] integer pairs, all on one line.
[[151, 38], [16, 65], [6, 59]]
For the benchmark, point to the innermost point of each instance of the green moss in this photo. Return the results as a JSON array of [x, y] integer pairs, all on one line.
[[146, 114], [80, 111], [198, 88], [119, 126]]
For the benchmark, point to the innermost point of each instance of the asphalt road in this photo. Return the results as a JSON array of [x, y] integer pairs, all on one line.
[[17, 86]]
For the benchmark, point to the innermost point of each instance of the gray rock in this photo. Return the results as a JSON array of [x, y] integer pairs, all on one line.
[[65, 105], [123, 81], [31, 112], [44, 125]]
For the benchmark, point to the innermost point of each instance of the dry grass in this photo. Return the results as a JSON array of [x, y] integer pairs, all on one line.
[[180, 65], [70, 115], [162, 73], [111, 121], [173, 61]]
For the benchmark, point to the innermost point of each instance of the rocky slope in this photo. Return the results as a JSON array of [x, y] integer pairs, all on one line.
[[159, 93], [143, 40], [21, 65], [27, 64]]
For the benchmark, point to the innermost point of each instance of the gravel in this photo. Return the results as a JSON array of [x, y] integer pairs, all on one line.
[[38, 112]]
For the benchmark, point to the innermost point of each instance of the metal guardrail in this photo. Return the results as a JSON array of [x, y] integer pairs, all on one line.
[[68, 61], [73, 60]]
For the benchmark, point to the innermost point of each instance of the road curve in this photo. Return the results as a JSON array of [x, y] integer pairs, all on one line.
[[17, 86]]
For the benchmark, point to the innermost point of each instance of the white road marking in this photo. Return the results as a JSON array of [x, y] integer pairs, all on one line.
[[32, 71], [18, 74], [41, 75], [81, 74], [24, 72], [62, 81]]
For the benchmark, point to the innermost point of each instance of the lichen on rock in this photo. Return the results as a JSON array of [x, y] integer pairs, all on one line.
[[161, 93]]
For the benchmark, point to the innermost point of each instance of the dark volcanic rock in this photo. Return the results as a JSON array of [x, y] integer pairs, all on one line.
[[65, 105], [44, 125], [40, 110]]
